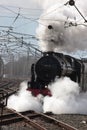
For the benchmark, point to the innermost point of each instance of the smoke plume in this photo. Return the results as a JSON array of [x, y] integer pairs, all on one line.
[[61, 27]]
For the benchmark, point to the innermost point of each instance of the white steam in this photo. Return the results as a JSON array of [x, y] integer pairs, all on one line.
[[24, 100], [66, 98], [63, 36]]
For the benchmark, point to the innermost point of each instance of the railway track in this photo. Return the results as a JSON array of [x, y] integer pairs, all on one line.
[[39, 121], [7, 88]]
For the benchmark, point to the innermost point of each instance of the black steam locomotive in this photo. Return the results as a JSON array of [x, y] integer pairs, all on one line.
[[52, 65]]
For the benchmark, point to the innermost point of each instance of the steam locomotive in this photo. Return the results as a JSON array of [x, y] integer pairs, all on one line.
[[52, 65]]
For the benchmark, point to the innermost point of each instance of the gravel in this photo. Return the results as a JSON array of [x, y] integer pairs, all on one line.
[[76, 120]]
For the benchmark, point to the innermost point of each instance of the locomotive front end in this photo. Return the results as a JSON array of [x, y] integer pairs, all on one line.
[[47, 68], [54, 65]]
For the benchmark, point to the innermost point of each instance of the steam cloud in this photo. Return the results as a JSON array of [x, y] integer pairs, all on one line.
[[24, 101], [66, 98], [63, 36]]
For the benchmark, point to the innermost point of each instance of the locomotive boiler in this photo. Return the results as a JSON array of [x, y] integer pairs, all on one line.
[[54, 65]]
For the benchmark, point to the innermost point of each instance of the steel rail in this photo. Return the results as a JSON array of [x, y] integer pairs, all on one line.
[[7, 88], [59, 123], [13, 118], [27, 120], [8, 116]]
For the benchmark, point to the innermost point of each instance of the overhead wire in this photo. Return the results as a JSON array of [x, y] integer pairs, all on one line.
[[25, 43], [14, 12], [19, 14], [16, 16], [12, 47], [22, 7], [36, 19], [73, 24], [72, 3], [30, 19], [53, 10]]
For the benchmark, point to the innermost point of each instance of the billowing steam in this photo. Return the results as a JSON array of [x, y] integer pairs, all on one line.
[[24, 100], [66, 98], [61, 27]]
